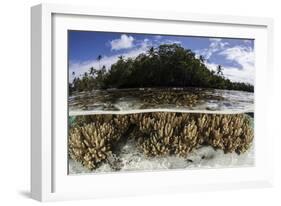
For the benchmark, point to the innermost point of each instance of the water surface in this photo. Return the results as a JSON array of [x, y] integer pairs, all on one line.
[[182, 99]]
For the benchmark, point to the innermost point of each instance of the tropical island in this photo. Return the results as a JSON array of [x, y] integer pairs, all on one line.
[[168, 65]]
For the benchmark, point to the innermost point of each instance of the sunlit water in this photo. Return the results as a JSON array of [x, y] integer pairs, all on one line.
[[205, 157], [141, 99], [130, 100]]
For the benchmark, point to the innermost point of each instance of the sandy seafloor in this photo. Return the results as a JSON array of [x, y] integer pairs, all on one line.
[[130, 159]]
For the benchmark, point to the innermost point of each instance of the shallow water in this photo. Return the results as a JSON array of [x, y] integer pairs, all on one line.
[[130, 158], [202, 158], [188, 99]]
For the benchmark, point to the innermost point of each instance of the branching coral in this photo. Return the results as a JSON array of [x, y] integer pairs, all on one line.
[[86, 119], [121, 122], [178, 98], [167, 133], [178, 133], [229, 132], [147, 98], [91, 144], [92, 138]]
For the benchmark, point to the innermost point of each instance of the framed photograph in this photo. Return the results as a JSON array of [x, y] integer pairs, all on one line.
[[137, 102]]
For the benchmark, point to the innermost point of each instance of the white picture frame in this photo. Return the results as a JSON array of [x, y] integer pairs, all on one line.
[[49, 178]]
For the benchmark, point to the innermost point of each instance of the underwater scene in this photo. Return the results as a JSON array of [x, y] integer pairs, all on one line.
[[142, 102]]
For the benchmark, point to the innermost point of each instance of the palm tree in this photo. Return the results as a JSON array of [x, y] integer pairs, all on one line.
[[99, 58], [151, 51], [121, 57], [219, 70], [202, 58], [103, 68], [91, 71]]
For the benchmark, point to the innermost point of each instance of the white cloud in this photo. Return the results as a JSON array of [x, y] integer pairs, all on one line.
[[79, 68], [242, 55], [216, 44], [125, 42], [158, 37], [235, 74], [145, 43], [168, 41], [245, 57], [215, 39]]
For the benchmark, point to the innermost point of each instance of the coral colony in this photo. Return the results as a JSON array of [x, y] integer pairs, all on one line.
[[93, 138], [147, 98]]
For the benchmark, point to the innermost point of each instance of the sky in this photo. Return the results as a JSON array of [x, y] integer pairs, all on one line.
[[236, 56]]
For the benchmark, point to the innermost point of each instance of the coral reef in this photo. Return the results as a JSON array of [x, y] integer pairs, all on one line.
[[146, 98], [231, 133], [176, 97], [92, 138], [170, 97], [91, 144], [166, 133], [178, 133]]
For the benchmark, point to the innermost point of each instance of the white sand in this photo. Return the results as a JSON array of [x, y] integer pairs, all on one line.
[[205, 157]]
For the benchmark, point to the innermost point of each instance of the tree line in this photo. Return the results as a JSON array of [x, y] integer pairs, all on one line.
[[168, 65]]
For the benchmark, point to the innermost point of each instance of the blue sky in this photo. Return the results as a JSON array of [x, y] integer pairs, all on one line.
[[235, 55]]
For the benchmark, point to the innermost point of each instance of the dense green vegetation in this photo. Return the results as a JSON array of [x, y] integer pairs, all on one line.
[[169, 65]]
